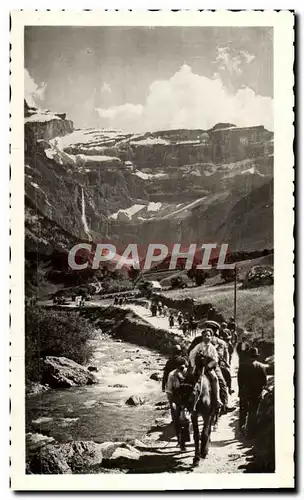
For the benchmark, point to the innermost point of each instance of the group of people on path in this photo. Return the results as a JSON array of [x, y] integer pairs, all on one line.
[[157, 308], [120, 301], [211, 348], [175, 319]]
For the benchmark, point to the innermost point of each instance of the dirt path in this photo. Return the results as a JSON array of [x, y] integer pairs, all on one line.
[[227, 452], [160, 453], [156, 321]]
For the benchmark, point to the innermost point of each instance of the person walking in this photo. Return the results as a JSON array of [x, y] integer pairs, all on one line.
[[252, 379], [171, 365], [224, 361], [171, 320], [153, 309], [175, 378], [180, 319]]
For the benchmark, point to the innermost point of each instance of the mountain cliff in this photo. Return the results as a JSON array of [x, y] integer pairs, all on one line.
[[169, 186]]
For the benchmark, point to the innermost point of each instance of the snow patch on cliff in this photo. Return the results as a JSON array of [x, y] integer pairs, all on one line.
[[154, 206], [185, 208], [96, 158], [147, 177], [127, 213], [150, 141], [42, 116]]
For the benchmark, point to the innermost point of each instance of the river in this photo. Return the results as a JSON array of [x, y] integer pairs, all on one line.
[[98, 412]]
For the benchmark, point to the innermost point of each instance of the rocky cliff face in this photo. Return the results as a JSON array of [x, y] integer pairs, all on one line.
[[167, 186]]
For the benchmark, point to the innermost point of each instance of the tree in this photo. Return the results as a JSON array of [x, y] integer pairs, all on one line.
[[177, 282], [133, 273], [191, 272], [228, 275], [200, 277]]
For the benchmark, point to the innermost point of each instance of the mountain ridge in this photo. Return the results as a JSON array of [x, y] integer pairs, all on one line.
[[170, 186]]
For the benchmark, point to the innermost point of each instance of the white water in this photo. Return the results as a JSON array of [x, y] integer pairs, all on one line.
[[98, 412]]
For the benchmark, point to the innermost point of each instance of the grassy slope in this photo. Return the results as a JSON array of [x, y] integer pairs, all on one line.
[[254, 307], [243, 267]]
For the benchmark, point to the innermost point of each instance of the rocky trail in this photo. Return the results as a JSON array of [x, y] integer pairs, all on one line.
[[228, 451]]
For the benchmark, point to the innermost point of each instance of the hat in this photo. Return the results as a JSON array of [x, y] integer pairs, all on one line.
[[253, 352], [211, 324], [207, 330]]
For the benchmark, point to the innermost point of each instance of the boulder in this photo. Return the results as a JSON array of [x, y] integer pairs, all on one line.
[[136, 443], [118, 386], [35, 441], [92, 368], [129, 452], [42, 420], [135, 401], [162, 404], [81, 455], [49, 460], [63, 372], [34, 388], [109, 447], [68, 458], [122, 457], [156, 376]]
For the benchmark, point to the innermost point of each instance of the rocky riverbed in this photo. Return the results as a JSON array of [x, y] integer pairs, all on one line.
[[118, 407]]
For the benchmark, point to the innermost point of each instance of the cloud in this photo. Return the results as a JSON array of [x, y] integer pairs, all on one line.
[[33, 93], [226, 61], [105, 88], [231, 60], [188, 100], [248, 57], [123, 116]]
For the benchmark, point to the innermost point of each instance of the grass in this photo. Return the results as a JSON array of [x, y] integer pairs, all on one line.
[[255, 310], [215, 276]]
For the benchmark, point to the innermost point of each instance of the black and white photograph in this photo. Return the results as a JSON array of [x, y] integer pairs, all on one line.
[[152, 190]]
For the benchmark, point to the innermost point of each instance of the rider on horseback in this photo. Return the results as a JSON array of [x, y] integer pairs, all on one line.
[[205, 354], [220, 389]]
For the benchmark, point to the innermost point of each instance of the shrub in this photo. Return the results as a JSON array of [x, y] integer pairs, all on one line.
[[54, 333], [259, 276]]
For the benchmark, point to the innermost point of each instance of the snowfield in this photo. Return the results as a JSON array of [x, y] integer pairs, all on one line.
[[88, 138], [150, 141], [128, 212], [95, 158], [41, 117], [148, 177], [154, 206], [154, 210]]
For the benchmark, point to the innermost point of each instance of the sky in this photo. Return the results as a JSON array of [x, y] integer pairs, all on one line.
[[140, 79]]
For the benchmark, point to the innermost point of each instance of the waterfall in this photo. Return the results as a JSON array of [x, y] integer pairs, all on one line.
[[83, 215]]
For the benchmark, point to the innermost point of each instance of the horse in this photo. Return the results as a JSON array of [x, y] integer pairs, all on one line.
[[199, 402]]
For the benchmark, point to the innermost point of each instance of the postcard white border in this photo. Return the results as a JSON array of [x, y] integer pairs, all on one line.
[[282, 23]]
